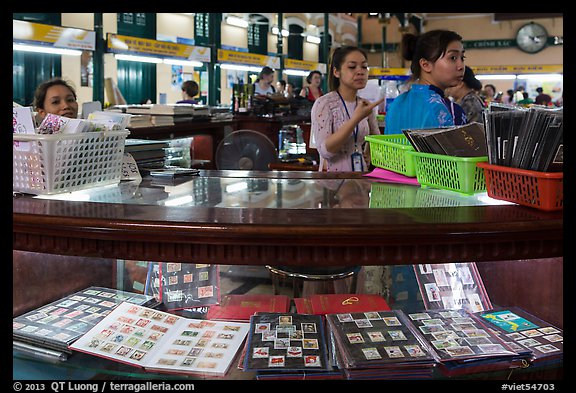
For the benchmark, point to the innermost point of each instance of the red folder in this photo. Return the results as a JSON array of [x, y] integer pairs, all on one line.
[[240, 307], [340, 303]]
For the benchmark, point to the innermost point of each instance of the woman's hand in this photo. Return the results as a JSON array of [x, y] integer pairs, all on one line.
[[365, 107]]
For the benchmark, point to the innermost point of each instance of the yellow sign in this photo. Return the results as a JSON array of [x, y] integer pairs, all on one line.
[[132, 45], [304, 65], [59, 37], [229, 56], [520, 69], [379, 71]]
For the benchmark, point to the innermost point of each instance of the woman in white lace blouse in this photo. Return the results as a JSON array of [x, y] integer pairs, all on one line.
[[341, 119]]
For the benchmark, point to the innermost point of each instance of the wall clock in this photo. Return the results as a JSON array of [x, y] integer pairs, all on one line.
[[532, 37]]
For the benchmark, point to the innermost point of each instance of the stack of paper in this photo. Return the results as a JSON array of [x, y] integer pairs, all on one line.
[[467, 140]]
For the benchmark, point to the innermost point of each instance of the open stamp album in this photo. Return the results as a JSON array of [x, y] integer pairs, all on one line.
[[162, 342], [58, 324]]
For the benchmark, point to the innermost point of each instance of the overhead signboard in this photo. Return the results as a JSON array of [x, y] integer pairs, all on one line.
[[304, 65], [228, 56], [56, 36], [381, 71], [519, 69], [122, 44]]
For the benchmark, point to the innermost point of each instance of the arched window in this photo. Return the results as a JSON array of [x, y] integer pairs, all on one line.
[[258, 34], [295, 42]]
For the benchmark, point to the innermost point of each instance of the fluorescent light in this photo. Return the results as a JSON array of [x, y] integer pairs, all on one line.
[[240, 67], [235, 21], [541, 77], [296, 72], [188, 63], [313, 39], [179, 201], [46, 49], [496, 76], [235, 187], [142, 59], [285, 33]]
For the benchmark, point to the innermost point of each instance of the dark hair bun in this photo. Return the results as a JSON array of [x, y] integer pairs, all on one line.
[[470, 79], [408, 45]]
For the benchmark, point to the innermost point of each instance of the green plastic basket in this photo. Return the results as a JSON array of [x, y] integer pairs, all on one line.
[[458, 174], [391, 152]]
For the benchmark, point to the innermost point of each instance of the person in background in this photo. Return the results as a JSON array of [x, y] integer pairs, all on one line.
[[56, 96], [519, 94], [341, 119], [190, 90], [263, 84], [281, 87], [509, 97], [466, 95], [313, 90], [560, 101], [542, 98], [489, 94], [437, 63], [526, 101], [290, 90]]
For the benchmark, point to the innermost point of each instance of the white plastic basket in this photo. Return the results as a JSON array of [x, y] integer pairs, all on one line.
[[57, 163]]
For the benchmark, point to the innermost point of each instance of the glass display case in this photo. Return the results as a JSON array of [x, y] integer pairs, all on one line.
[[242, 221]]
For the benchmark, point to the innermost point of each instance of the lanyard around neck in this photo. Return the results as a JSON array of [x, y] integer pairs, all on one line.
[[347, 113]]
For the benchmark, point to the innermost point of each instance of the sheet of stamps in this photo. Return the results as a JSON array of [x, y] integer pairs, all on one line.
[[457, 335], [184, 285], [286, 341], [526, 333], [452, 286], [377, 337]]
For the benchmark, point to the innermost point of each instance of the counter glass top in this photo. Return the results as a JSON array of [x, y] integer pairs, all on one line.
[[227, 189]]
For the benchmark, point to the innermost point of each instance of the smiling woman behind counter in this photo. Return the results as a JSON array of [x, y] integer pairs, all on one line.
[[56, 96]]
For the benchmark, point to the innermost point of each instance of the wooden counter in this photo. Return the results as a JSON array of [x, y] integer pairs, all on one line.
[[255, 236]]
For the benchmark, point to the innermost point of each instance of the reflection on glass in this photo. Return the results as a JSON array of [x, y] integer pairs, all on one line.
[[246, 192]]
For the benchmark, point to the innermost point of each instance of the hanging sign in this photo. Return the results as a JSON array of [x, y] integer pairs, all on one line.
[[379, 71], [304, 65], [56, 36], [520, 69], [136, 45], [228, 56]]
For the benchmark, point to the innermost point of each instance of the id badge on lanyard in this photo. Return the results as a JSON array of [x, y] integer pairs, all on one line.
[[356, 157], [357, 162]]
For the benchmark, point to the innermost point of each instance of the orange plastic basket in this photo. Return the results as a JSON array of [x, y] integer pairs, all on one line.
[[541, 190]]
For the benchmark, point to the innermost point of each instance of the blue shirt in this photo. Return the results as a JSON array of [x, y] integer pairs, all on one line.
[[423, 106]]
